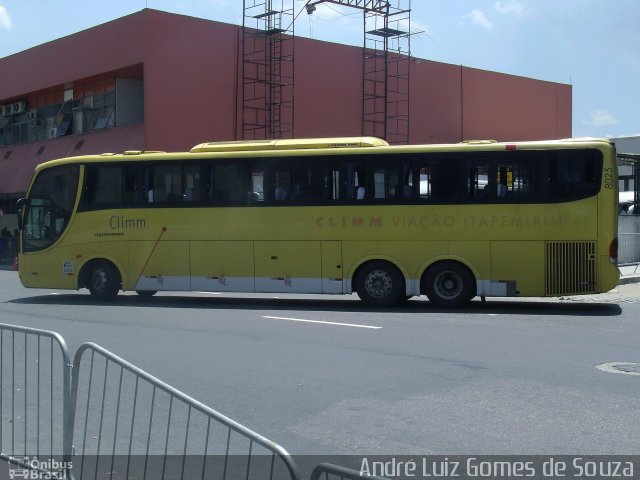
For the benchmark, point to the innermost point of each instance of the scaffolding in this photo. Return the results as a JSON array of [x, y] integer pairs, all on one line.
[[267, 69], [386, 66]]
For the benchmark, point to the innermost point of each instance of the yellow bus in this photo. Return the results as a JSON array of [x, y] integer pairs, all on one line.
[[335, 216]]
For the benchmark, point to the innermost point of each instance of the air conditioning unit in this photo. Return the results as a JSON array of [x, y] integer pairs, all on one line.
[[3, 110], [18, 107], [52, 132], [32, 114]]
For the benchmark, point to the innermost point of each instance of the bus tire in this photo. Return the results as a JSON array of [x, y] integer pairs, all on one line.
[[146, 293], [379, 284], [449, 284], [103, 280]]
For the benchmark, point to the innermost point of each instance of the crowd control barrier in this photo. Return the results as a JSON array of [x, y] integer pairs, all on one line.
[[126, 420], [103, 417], [35, 380]]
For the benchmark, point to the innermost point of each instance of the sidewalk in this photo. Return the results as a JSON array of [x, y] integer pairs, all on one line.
[[630, 274]]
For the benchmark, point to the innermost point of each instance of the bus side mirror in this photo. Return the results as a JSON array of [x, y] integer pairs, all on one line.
[[19, 205]]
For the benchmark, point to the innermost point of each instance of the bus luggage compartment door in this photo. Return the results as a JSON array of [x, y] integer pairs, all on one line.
[[222, 266], [160, 265], [332, 269], [288, 266]]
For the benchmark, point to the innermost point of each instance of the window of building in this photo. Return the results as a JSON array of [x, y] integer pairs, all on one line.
[[89, 105]]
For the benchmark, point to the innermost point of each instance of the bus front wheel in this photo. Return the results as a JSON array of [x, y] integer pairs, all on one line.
[[379, 284], [104, 280], [449, 284]]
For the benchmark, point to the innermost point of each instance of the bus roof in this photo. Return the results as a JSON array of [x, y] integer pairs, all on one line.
[[318, 146], [289, 144]]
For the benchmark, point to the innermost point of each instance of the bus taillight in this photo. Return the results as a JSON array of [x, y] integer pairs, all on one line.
[[613, 251]]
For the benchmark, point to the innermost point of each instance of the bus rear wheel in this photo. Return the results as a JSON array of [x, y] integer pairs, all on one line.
[[104, 280], [449, 284], [379, 284]]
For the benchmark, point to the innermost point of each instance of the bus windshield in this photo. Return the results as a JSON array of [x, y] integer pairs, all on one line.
[[49, 206]]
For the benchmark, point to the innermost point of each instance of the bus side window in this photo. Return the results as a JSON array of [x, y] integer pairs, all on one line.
[[360, 184], [90, 185], [425, 183], [147, 185], [407, 180], [573, 174], [283, 181], [514, 180], [222, 179], [333, 182], [375, 179], [133, 191], [104, 186], [257, 183], [442, 179], [480, 184], [167, 183], [236, 183], [193, 179]]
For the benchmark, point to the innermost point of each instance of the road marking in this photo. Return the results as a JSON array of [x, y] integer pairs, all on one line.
[[625, 368], [354, 325]]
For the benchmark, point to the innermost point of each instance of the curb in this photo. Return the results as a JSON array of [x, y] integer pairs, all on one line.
[[629, 279]]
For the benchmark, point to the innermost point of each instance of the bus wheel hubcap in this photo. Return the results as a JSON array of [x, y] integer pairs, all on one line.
[[448, 285], [99, 279], [378, 283]]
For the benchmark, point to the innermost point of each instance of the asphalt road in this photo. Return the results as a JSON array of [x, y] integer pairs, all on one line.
[[504, 377]]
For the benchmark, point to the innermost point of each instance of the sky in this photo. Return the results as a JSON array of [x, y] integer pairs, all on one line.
[[593, 45]]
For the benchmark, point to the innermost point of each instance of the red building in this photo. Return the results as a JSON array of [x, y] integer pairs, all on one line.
[[160, 81]]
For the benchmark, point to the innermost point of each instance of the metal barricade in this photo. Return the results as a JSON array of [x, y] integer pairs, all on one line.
[[328, 471], [127, 421], [35, 380], [629, 248], [104, 417]]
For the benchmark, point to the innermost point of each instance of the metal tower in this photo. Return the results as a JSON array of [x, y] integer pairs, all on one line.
[[267, 69], [385, 65]]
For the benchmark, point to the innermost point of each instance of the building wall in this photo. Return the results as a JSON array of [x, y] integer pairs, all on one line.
[[104, 48], [627, 144], [328, 89], [436, 102], [505, 107], [190, 81], [449, 103]]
